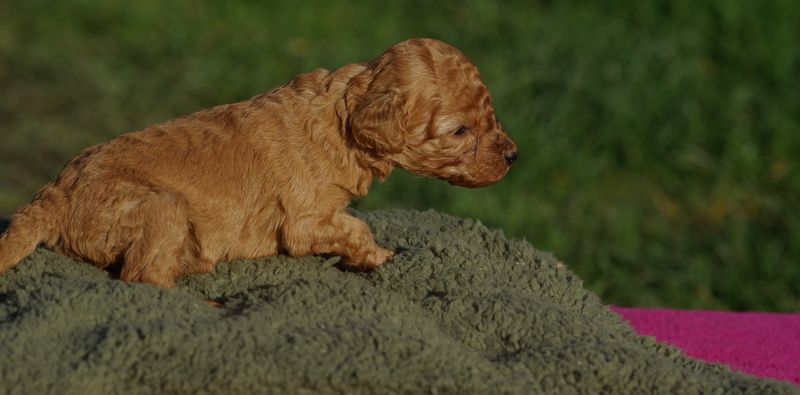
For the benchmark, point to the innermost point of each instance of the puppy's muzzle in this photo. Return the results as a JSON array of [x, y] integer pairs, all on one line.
[[511, 157], [507, 148]]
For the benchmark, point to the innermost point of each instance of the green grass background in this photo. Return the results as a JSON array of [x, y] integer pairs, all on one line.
[[658, 140]]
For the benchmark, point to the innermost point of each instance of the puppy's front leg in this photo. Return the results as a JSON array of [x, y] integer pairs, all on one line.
[[338, 233]]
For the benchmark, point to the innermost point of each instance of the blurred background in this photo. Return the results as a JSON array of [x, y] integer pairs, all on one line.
[[659, 140]]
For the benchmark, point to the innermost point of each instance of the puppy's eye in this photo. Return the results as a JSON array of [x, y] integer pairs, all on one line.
[[461, 130]]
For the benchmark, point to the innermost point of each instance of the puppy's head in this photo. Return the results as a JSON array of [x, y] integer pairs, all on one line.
[[423, 106]]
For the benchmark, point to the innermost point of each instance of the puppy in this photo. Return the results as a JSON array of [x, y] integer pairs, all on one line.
[[272, 174]]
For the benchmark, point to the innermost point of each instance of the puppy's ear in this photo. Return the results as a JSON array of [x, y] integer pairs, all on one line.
[[378, 122]]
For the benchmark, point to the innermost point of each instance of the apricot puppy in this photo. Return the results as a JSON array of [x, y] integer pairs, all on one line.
[[272, 174]]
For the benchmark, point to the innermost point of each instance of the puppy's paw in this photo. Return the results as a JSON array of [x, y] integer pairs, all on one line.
[[381, 256], [371, 260]]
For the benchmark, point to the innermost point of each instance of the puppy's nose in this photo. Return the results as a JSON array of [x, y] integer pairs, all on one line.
[[511, 157]]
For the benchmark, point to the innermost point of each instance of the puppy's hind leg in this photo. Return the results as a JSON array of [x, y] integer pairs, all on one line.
[[158, 254]]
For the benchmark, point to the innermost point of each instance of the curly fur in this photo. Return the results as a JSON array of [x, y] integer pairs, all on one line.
[[272, 174]]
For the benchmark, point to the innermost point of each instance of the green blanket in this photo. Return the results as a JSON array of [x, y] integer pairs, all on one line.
[[460, 310]]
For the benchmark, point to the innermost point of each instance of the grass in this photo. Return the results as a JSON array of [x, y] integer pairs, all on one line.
[[658, 140]]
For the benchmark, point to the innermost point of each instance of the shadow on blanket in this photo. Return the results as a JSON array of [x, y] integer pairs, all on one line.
[[460, 310]]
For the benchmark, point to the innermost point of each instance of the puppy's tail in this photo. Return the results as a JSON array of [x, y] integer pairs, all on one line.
[[30, 226]]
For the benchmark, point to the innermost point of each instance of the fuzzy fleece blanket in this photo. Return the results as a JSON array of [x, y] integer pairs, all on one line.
[[461, 310], [761, 344]]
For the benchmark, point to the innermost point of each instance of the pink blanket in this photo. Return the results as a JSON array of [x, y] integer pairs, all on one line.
[[760, 344]]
